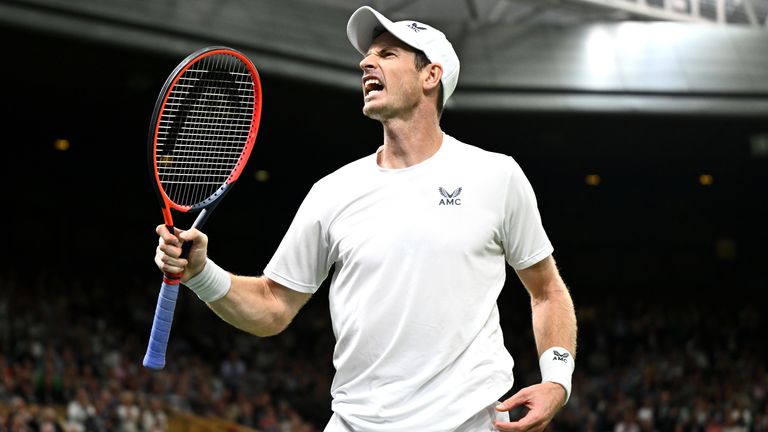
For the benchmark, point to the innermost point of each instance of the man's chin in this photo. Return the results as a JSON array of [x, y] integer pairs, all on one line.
[[372, 112]]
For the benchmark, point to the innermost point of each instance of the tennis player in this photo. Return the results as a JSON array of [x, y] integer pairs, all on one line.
[[419, 234]]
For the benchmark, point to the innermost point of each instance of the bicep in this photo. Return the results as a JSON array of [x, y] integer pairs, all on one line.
[[540, 278], [259, 305], [290, 300]]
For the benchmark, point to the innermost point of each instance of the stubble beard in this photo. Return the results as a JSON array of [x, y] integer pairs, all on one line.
[[375, 112]]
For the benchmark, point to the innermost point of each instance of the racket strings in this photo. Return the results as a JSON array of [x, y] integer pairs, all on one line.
[[204, 128]]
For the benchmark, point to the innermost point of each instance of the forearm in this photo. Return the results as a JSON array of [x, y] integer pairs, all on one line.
[[252, 305], [554, 318]]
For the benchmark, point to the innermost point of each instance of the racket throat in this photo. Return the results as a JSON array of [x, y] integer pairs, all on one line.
[[167, 217], [202, 217]]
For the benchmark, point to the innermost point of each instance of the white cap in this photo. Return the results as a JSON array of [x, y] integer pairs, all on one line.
[[366, 23]]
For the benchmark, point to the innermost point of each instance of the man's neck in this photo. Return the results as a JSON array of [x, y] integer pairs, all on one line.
[[409, 142]]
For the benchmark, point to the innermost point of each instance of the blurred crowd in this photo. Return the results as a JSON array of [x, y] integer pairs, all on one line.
[[693, 367], [72, 350], [72, 353]]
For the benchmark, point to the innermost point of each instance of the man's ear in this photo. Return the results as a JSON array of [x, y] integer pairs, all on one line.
[[432, 76]]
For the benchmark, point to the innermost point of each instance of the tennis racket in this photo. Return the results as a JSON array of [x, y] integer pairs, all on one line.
[[202, 132]]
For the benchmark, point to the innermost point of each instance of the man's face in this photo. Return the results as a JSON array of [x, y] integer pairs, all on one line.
[[391, 83]]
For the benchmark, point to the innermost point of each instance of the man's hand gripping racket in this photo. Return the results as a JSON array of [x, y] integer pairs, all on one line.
[[203, 129]]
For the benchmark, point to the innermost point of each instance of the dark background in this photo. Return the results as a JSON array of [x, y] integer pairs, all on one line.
[[648, 230]]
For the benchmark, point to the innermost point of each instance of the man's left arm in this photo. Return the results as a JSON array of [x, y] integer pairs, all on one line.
[[553, 314], [554, 328]]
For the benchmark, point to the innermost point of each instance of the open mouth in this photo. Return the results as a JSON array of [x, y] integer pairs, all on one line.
[[372, 86]]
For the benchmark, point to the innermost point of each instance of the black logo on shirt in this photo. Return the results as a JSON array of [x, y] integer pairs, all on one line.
[[449, 198]]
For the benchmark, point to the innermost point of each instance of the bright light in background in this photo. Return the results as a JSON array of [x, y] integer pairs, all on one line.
[[592, 180], [759, 145], [633, 38], [706, 179], [726, 248], [642, 40], [601, 52], [261, 176], [682, 5], [61, 144]]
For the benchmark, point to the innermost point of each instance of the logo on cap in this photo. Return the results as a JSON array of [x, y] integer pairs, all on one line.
[[415, 27]]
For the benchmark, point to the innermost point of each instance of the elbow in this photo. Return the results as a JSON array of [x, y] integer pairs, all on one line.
[[556, 295], [265, 332], [273, 326], [265, 310]]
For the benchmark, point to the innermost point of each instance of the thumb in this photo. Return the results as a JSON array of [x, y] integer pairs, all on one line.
[[197, 240], [515, 400], [188, 235]]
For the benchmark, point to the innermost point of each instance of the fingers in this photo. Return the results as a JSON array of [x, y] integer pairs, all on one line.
[[166, 235], [542, 404], [168, 255], [193, 235], [532, 421], [171, 241], [523, 424], [518, 426], [197, 253], [170, 264], [514, 401]]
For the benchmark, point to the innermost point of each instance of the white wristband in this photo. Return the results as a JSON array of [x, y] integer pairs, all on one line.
[[211, 284], [557, 365]]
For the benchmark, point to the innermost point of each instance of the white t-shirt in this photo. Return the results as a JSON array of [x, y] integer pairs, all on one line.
[[419, 257]]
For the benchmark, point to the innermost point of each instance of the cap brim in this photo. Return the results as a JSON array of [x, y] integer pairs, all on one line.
[[362, 25], [362, 28]]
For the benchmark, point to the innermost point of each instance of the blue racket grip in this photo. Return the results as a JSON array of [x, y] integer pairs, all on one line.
[[161, 326]]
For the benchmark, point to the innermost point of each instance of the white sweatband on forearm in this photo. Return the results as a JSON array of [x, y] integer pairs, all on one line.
[[557, 365], [211, 284]]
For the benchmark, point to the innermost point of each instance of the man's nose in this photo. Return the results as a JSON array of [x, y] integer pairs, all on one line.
[[367, 63]]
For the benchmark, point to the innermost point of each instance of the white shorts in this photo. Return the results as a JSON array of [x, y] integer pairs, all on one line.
[[480, 422]]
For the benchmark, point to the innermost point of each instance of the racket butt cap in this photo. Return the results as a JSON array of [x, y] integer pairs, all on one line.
[[150, 362]]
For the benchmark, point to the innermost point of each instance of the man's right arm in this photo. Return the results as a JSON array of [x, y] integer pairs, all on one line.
[[259, 305]]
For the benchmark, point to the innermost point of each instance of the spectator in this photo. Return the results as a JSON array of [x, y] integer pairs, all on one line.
[[128, 413], [629, 422], [79, 411], [233, 370], [154, 417]]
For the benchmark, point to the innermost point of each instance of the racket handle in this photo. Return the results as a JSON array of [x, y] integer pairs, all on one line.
[[185, 248], [161, 326]]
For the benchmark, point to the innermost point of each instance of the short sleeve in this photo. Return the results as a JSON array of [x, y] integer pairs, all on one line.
[[525, 240], [301, 262]]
